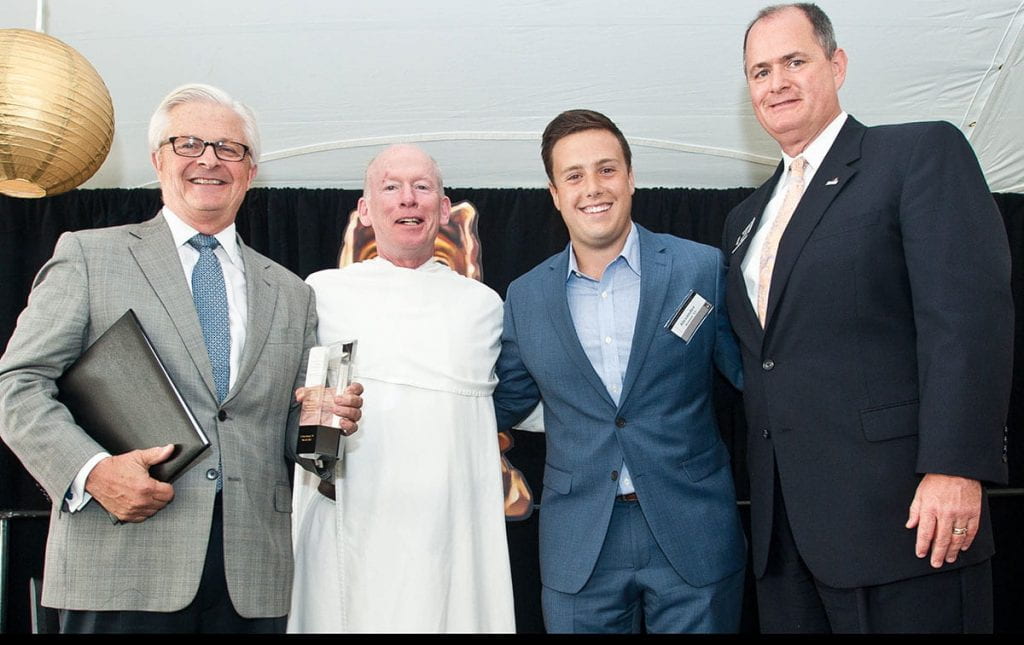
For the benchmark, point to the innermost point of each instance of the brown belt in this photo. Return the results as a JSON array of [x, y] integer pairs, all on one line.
[[326, 489], [628, 497]]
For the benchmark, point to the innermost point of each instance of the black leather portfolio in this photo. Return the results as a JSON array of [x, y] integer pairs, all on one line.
[[121, 394]]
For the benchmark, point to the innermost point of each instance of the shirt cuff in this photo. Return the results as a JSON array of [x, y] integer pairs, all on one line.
[[76, 498]]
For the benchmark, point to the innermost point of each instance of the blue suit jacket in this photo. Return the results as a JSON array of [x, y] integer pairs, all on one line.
[[664, 425]]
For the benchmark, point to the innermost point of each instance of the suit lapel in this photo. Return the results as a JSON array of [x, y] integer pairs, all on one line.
[[557, 305], [655, 271], [261, 297], [828, 181], [745, 313], [158, 259]]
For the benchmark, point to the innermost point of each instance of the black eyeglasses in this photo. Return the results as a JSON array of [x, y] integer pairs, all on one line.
[[195, 147]]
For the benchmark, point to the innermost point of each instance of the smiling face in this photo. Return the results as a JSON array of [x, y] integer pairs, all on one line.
[[794, 87], [204, 191], [403, 202], [592, 188]]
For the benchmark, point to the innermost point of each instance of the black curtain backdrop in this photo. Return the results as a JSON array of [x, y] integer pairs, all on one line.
[[302, 229]]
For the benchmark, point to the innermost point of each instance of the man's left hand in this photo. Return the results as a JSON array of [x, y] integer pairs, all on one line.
[[943, 507]]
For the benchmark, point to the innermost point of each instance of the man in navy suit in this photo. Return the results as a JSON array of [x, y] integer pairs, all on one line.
[[619, 334], [869, 286]]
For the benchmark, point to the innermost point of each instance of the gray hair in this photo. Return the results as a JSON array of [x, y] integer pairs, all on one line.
[[199, 93], [435, 169], [819, 22]]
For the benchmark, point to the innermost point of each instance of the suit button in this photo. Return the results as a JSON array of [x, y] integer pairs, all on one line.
[[615, 475], [222, 416], [212, 474], [620, 423], [768, 365], [766, 433]]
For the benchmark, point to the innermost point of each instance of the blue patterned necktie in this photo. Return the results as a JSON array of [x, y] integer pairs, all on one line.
[[211, 300]]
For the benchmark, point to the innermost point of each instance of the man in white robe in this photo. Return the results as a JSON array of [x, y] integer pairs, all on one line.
[[414, 540]]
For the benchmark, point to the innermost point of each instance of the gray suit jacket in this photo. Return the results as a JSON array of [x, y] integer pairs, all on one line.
[[92, 278]]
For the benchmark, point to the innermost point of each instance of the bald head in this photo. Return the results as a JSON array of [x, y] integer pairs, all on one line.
[[400, 150], [403, 201]]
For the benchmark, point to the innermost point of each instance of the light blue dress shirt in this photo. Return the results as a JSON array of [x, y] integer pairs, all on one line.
[[604, 315]]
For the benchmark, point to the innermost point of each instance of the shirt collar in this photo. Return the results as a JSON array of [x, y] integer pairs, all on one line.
[[815, 153], [181, 233], [630, 253]]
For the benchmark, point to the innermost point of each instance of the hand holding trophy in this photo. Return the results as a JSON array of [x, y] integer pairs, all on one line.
[[328, 373]]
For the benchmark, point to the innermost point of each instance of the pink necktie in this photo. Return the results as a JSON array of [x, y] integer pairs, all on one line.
[[771, 243]]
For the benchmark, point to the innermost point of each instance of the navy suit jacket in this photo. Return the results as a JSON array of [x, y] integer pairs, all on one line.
[[664, 425], [887, 351]]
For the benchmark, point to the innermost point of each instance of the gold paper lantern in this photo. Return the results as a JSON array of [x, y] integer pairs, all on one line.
[[56, 116]]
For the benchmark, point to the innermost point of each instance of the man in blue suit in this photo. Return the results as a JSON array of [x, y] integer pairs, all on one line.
[[618, 334]]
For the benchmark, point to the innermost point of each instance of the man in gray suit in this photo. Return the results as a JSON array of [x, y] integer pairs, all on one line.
[[219, 557]]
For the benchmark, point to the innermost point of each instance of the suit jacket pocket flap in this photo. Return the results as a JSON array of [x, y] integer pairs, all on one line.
[[280, 335], [557, 480], [283, 499], [890, 421], [706, 463]]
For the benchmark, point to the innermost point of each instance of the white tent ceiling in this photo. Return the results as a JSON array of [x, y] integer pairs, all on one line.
[[477, 81]]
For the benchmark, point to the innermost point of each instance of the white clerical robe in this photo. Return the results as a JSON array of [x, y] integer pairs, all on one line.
[[416, 539]]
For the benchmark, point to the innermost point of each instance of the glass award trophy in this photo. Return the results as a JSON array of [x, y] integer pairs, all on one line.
[[329, 371]]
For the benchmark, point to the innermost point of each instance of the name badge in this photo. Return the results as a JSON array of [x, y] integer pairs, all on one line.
[[689, 316]]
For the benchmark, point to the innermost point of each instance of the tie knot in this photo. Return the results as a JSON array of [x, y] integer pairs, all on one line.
[[200, 241], [796, 169]]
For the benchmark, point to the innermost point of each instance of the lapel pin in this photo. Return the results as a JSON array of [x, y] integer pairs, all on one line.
[[832, 182], [743, 235]]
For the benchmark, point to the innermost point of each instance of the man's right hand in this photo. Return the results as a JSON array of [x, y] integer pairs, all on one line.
[[123, 487]]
